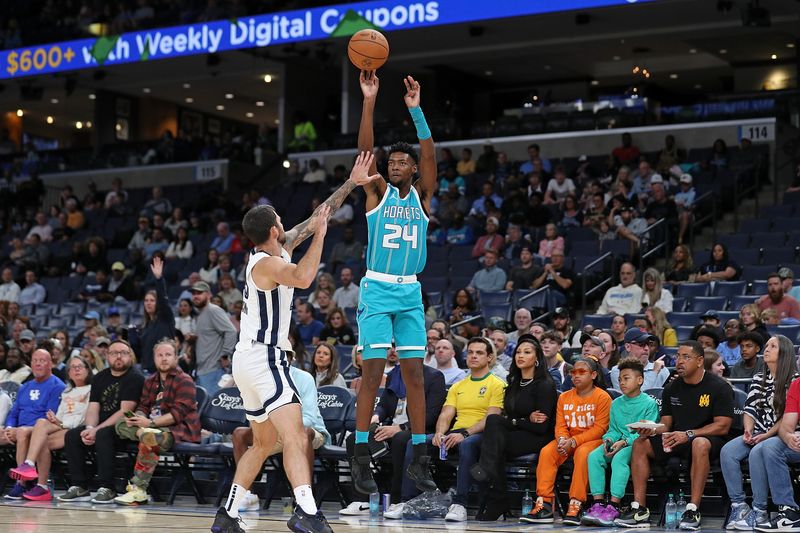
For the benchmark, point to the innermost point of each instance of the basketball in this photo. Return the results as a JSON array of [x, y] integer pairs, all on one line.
[[368, 50]]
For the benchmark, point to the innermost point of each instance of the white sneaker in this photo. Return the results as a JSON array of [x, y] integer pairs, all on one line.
[[249, 503], [355, 509], [456, 513], [394, 512]]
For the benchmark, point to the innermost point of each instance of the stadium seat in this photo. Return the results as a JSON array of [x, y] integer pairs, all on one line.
[[792, 331], [684, 319], [692, 290], [757, 225], [758, 287], [753, 272], [767, 239], [536, 299], [494, 297], [780, 256], [598, 321], [735, 241], [678, 304], [748, 256], [701, 304], [729, 288], [492, 310]]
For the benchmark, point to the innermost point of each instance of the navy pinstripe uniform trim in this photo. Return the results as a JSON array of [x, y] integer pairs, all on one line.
[[276, 370]]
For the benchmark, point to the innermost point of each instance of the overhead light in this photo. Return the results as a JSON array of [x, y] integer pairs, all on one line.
[[118, 126], [673, 76], [187, 85], [692, 50], [267, 78], [259, 103], [146, 90], [277, 121], [616, 58], [286, 163], [220, 107], [636, 70], [594, 82], [535, 98], [774, 56], [189, 99], [789, 45], [54, 100], [488, 72], [20, 112], [49, 119], [636, 89], [723, 51], [698, 86], [92, 96], [229, 96], [88, 124], [79, 125], [249, 114]]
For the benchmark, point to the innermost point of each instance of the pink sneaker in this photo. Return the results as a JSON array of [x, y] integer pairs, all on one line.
[[38, 494], [24, 472]]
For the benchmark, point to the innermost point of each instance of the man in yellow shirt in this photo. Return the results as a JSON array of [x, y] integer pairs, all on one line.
[[461, 424]]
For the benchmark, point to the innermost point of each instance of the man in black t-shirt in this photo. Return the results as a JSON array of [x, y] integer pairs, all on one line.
[[521, 277], [696, 413], [115, 390], [559, 278]]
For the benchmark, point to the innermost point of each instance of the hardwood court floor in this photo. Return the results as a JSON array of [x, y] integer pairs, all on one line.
[[35, 517]]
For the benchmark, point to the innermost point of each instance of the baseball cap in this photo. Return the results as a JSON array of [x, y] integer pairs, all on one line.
[[656, 179], [119, 265], [561, 312], [102, 340], [582, 158], [477, 319], [636, 335], [686, 178], [113, 311], [201, 286], [91, 315], [493, 220], [596, 341], [786, 273], [710, 314], [497, 322], [27, 335]]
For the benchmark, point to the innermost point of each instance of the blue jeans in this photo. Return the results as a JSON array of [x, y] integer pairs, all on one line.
[[731, 457], [468, 453], [771, 461], [210, 381]]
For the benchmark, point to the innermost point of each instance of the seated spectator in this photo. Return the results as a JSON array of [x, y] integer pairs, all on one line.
[[34, 400], [324, 283], [523, 276], [501, 170], [684, 200], [48, 433], [461, 425], [785, 305], [228, 291], [537, 214], [75, 218], [92, 257], [9, 290], [210, 272], [713, 362], [459, 343], [348, 251], [582, 417], [770, 458], [559, 187], [462, 306], [515, 242], [660, 205], [669, 156], [535, 161], [562, 324], [459, 233], [466, 165], [41, 228], [324, 305], [618, 328], [451, 177], [445, 358], [559, 369], [653, 294], [166, 415], [750, 344], [157, 204], [719, 155], [15, 368], [719, 266], [729, 348], [177, 220], [750, 318], [347, 293], [157, 243], [628, 153], [490, 277], [478, 208], [558, 278], [632, 406], [625, 297], [571, 214], [180, 247], [787, 280], [121, 284], [337, 330], [627, 225], [594, 348], [552, 241], [522, 323], [697, 412], [662, 329], [224, 239], [141, 236], [526, 425], [643, 181], [325, 366], [491, 241], [34, 292], [765, 405], [681, 267], [637, 346], [708, 337]]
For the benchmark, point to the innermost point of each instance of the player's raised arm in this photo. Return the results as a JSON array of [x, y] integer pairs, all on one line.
[[369, 82], [427, 184], [360, 176]]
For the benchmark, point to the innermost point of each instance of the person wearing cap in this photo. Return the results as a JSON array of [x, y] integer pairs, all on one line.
[[525, 427], [113, 323], [27, 343], [140, 236], [592, 346], [34, 292], [625, 298], [637, 346], [684, 200], [216, 337], [627, 225], [490, 241], [785, 305], [90, 320], [121, 285], [563, 326], [490, 277], [787, 280], [478, 208]]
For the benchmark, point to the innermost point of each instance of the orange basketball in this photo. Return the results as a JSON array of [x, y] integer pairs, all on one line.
[[368, 50]]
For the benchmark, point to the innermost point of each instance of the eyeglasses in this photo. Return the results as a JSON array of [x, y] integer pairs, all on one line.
[[579, 372], [680, 357], [120, 353], [77, 367]]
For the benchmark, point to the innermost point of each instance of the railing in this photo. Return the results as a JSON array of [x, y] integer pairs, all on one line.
[[600, 284], [536, 293], [664, 244], [466, 321], [712, 216]]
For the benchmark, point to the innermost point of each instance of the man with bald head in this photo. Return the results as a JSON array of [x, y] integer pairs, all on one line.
[[446, 363]]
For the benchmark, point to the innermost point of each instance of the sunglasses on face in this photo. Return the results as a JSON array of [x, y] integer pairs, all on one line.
[[579, 372]]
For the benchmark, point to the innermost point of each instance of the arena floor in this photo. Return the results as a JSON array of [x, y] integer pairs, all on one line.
[[29, 517]]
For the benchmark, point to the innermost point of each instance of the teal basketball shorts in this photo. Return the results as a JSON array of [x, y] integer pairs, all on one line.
[[390, 312]]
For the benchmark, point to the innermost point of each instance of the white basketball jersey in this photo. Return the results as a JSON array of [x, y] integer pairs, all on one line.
[[266, 315]]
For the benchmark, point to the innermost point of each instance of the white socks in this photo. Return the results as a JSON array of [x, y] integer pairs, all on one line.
[[235, 498], [305, 499]]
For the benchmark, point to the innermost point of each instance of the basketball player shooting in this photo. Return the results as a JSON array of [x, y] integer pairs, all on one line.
[[390, 297], [260, 366]]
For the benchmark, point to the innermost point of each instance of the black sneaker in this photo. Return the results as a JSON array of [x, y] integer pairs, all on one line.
[[690, 520], [225, 524], [420, 473], [542, 513], [361, 472], [637, 518], [302, 522], [787, 519]]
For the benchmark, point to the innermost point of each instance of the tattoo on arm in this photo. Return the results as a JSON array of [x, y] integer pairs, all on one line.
[[303, 231]]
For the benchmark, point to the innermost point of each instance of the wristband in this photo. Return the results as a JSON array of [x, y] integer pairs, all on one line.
[[423, 131], [464, 432]]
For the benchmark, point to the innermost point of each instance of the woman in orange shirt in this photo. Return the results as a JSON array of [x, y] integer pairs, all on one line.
[[582, 417]]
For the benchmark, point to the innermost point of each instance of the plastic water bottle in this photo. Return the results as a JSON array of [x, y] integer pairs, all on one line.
[[374, 505], [671, 521], [527, 503], [681, 505]]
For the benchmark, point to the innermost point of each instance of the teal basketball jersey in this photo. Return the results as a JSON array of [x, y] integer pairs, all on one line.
[[397, 229]]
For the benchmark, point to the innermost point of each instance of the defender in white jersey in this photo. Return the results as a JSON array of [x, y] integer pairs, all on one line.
[[260, 365]]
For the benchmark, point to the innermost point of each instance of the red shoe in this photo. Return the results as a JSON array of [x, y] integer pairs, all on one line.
[[24, 472], [38, 494]]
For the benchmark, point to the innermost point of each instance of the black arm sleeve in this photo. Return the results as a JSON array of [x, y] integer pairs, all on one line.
[[435, 395]]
